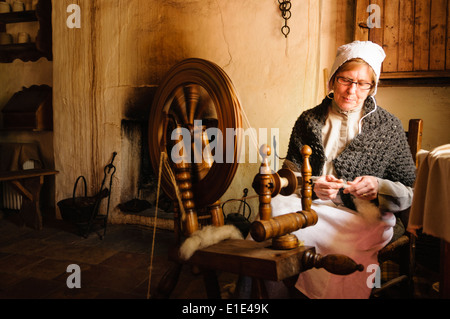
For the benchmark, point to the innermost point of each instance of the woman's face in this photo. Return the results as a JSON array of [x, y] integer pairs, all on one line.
[[350, 96]]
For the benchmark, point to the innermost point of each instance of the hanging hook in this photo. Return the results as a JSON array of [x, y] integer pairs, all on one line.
[[285, 30], [285, 7]]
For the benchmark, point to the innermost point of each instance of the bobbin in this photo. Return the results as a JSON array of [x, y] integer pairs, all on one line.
[[284, 182]]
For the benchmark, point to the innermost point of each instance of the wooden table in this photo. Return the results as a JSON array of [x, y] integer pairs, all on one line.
[[28, 183], [430, 209]]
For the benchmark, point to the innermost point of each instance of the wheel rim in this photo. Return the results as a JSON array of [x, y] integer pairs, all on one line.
[[197, 90]]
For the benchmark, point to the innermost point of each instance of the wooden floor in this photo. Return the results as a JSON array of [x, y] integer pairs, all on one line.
[[33, 264]]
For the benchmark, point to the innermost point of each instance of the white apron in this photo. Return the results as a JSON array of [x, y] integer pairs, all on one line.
[[339, 230]]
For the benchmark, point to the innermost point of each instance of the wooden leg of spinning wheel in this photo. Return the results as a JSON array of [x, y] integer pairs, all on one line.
[[168, 281], [211, 284], [216, 214], [259, 290], [183, 178]]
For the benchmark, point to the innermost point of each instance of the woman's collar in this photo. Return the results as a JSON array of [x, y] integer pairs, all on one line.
[[336, 108]]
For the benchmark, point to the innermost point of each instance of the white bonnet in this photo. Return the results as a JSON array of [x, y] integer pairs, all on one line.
[[370, 52]]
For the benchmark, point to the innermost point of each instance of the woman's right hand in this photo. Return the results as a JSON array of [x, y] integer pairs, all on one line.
[[327, 187]]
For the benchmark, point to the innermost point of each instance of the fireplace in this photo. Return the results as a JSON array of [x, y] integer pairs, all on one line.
[[140, 183]]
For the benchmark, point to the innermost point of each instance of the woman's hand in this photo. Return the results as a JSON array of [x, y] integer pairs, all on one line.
[[364, 187], [327, 187]]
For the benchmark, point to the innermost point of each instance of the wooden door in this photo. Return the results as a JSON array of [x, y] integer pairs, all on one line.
[[414, 33]]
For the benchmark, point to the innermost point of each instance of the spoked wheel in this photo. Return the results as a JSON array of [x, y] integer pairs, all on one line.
[[197, 96]]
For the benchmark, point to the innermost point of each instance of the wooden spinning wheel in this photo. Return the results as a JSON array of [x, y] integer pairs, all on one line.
[[194, 92], [195, 96]]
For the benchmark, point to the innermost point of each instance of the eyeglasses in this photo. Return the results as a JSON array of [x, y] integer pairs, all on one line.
[[349, 82]]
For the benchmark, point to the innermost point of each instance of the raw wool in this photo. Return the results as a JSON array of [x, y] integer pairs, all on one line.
[[206, 237], [368, 210]]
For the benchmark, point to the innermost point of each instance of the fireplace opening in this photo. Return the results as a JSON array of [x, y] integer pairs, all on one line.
[[140, 184]]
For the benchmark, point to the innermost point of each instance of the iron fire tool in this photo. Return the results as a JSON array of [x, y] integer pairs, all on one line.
[[110, 170]]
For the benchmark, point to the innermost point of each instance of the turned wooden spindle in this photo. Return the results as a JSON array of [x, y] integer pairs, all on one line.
[[203, 159], [263, 184], [192, 96], [306, 179], [184, 182], [285, 182], [262, 230], [334, 263], [215, 210]]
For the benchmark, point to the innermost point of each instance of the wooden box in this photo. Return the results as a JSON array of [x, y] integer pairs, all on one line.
[[29, 109]]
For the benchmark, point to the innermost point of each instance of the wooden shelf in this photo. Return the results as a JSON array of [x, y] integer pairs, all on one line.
[[16, 17], [29, 109], [29, 51], [418, 79], [415, 74], [23, 51], [17, 47]]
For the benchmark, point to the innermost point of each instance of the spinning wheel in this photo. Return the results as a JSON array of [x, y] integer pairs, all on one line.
[[197, 98], [196, 90]]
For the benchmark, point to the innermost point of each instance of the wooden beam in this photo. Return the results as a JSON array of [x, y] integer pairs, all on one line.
[[21, 189], [22, 174]]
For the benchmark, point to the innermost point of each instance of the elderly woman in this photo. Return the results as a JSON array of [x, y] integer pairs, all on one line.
[[364, 171]]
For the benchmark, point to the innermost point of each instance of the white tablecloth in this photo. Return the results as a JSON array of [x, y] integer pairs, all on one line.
[[431, 202]]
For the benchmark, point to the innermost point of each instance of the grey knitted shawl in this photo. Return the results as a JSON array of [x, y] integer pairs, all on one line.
[[380, 150]]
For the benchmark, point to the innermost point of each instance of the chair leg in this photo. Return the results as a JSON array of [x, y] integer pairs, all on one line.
[[412, 264], [211, 284], [259, 290]]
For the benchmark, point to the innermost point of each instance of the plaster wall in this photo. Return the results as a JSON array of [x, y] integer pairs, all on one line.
[[107, 71], [124, 48]]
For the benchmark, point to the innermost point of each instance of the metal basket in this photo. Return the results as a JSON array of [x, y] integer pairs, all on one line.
[[79, 210]]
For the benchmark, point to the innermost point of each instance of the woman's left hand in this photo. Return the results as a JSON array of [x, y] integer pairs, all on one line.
[[364, 187]]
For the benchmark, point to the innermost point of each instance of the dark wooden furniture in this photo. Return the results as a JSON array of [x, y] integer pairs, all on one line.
[[444, 285], [275, 254], [411, 32], [29, 51], [402, 250], [194, 96], [259, 261], [29, 109], [28, 183]]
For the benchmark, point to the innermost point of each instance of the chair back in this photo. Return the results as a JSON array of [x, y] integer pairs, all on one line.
[[414, 136]]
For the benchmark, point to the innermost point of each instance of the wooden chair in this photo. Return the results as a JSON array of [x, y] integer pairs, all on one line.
[[402, 250]]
